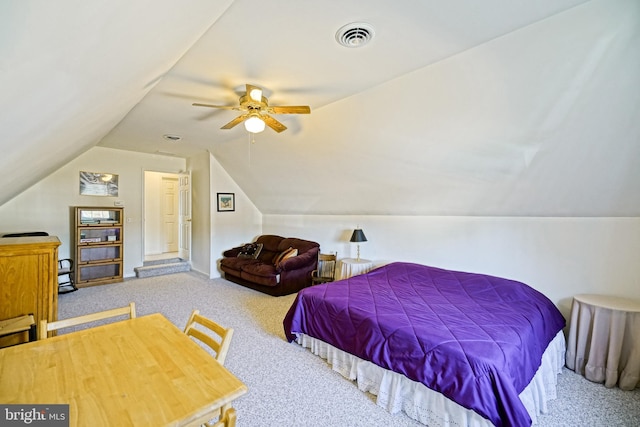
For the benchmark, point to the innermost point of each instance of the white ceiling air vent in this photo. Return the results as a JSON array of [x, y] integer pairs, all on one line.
[[356, 34]]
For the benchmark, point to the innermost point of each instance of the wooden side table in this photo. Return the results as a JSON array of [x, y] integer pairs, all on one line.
[[351, 267], [604, 340]]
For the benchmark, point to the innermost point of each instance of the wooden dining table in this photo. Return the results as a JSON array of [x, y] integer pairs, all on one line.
[[137, 372]]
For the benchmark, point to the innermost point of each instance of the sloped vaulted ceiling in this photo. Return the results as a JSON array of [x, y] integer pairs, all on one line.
[[71, 70], [454, 108]]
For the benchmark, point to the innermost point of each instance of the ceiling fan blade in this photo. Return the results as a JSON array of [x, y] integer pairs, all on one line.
[[250, 87], [225, 107], [273, 123], [292, 109], [235, 121]]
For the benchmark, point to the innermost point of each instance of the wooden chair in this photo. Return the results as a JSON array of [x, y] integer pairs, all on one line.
[[20, 324], [66, 276], [326, 271], [219, 342], [227, 420], [46, 327]]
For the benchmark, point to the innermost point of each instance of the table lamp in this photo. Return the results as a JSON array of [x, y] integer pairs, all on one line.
[[358, 236]]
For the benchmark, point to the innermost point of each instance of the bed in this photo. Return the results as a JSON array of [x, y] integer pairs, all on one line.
[[446, 347]]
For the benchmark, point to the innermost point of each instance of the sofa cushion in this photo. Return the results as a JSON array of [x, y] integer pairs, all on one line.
[[259, 269], [250, 250], [270, 249], [287, 253], [269, 281], [235, 263], [270, 242], [303, 260], [300, 244]]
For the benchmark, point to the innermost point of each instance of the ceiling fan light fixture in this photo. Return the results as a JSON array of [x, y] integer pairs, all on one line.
[[254, 124], [256, 94], [256, 112]]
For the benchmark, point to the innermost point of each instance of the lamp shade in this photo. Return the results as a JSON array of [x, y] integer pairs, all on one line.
[[358, 236]]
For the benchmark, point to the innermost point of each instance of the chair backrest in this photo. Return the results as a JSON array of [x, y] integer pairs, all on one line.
[[327, 266], [18, 324], [27, 234], [219, 342], [46, 327], [65, 266]]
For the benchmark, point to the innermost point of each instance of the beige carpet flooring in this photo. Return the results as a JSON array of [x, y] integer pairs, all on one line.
[[289, 386]]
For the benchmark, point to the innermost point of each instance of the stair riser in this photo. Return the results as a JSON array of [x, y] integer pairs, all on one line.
[[162, 270]]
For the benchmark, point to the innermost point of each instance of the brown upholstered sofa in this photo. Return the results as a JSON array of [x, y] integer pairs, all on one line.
[[272, 264]]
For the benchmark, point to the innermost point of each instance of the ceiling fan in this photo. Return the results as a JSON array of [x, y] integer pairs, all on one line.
[[256, 111]]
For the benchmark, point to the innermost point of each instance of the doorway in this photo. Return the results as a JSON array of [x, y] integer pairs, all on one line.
[[161, 215]]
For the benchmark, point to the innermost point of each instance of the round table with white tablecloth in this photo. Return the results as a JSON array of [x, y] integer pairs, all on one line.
[[352, 267], [604, 340]]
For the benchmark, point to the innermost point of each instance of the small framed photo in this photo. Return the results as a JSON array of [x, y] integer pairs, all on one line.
[[226, 202]]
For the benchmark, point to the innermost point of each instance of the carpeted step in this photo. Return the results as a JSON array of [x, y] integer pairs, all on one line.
[[155, 269], [162, 261]]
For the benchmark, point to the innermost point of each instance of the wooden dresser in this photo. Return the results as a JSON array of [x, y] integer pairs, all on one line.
[[28, 280]]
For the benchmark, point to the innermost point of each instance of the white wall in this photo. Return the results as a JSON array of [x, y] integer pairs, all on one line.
[[230, 229], [560, 257], [47, 206]]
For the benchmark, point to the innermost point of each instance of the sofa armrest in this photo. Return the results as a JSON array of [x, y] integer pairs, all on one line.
[[232, 253], [306, 259]]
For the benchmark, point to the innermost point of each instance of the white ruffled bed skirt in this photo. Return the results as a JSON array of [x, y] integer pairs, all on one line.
[[396, 393]]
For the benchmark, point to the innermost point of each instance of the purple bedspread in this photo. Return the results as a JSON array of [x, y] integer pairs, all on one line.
[[477, 339]]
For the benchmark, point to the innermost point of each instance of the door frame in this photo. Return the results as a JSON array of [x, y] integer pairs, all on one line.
[[184, 216], [185, 255]]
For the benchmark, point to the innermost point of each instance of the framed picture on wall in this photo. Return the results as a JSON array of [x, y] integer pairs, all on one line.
[[226, 202], [98, 184]]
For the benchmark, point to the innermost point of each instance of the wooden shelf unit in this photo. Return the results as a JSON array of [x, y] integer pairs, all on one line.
[[99, 245]]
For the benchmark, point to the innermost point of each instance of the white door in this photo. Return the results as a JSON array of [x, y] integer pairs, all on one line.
[[184, 219], [169, 206]]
